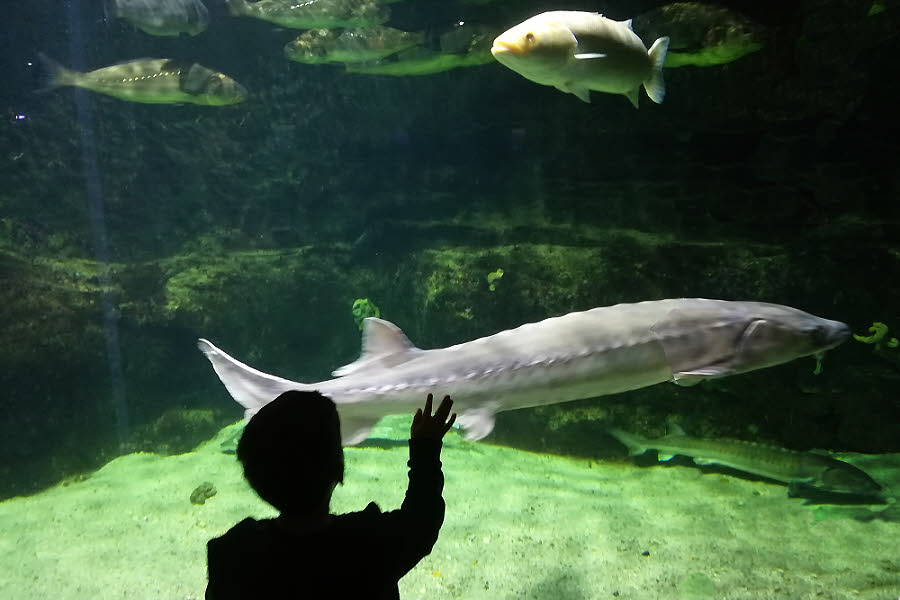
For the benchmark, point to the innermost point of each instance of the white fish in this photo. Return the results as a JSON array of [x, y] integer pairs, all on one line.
[[576, 52], [578, 355]]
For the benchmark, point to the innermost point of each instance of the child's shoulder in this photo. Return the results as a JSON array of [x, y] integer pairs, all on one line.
[[241, 536], [371, 510], [370, 515], [247, 527]]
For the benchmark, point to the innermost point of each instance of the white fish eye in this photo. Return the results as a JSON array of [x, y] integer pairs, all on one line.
[[529, 37]]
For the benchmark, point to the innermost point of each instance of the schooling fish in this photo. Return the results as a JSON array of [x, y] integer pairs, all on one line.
[[576, 52], [153, 81], [161, 17], [580, 355], [463, 46], [806, 469], [462, 37], [311, 14], [318, 46], [421, 61]]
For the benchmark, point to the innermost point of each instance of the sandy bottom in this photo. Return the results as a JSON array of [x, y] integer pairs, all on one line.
[[519, 525]]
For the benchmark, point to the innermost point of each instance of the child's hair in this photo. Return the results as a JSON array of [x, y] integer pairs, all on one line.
[[291, 451]]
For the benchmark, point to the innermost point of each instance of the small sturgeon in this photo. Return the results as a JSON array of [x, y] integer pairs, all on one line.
[[579, 355], [809, 469]]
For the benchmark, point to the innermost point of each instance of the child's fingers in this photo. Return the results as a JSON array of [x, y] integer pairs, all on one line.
[[428, 401], [450, 423], [444, 409]]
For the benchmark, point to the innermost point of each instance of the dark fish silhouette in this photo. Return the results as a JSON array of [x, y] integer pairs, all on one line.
[[816, 471], [161, 17]]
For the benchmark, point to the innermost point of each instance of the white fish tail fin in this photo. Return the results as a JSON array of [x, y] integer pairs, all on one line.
[[656, 85], [55, 75], [251, 389], [237, 8], [636, 444]]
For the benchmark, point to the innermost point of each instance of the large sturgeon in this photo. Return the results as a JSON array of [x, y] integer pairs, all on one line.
[[579, 355]]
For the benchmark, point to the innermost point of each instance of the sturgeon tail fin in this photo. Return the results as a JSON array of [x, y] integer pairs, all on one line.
[[636, 444], [656, 85], [55, 75], [237, 8], [251, 389]]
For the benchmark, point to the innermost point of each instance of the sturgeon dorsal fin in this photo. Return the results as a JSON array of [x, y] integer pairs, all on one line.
[[383, 345], [674, 430]]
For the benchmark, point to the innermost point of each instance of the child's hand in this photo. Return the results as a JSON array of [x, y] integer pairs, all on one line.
[[427, 426]]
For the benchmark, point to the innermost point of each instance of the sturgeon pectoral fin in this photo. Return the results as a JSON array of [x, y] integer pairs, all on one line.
[[753, 330], [689, 378], [691, 351], [795, 489], [476, 423]]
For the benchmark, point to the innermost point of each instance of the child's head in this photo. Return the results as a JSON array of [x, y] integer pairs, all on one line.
[[291, 451]]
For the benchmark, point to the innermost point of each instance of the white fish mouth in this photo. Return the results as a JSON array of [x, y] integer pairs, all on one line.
[[501, 47]]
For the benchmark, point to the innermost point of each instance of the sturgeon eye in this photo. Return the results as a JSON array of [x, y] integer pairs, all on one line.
[[529, 37]]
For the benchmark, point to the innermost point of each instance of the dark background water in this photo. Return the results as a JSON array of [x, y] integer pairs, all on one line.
[[773, 178]]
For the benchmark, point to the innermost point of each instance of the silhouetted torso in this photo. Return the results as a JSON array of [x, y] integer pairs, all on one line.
[[357, 555]]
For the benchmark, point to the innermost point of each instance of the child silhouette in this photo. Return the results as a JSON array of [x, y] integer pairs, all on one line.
[[292, 457]]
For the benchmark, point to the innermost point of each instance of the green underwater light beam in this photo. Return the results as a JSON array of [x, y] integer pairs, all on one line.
[[98, 227]]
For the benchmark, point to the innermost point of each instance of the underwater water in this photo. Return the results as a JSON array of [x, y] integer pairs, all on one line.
[[267, 179]]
